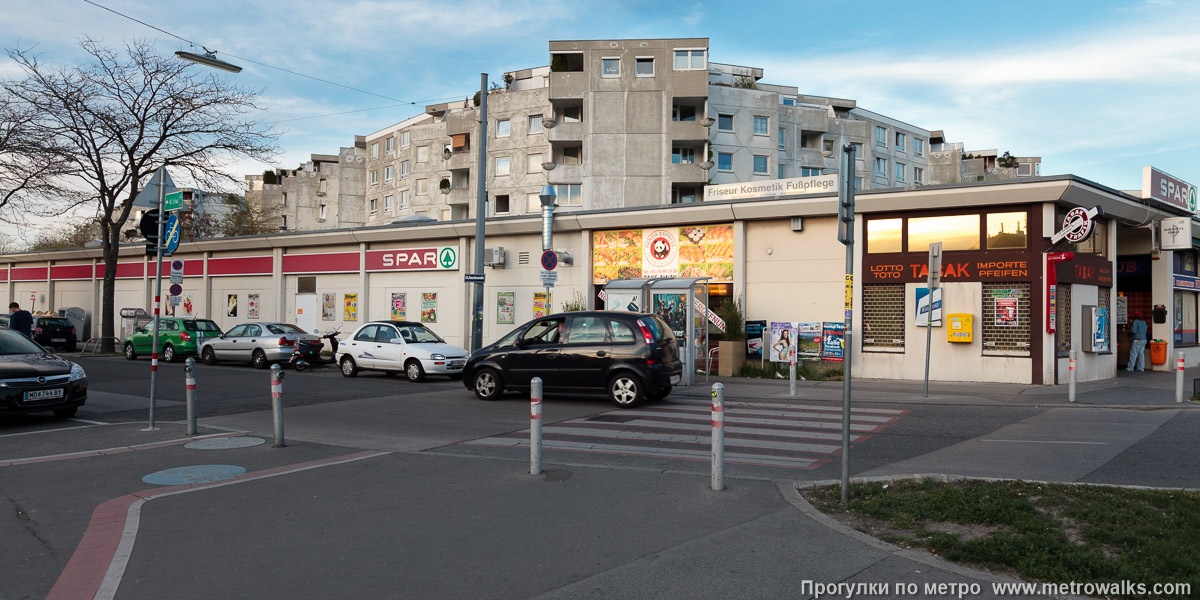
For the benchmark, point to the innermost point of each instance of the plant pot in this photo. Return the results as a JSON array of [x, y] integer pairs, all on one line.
[[730, 358]]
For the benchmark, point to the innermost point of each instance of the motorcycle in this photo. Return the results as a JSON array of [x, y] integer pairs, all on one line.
[[308, 354]]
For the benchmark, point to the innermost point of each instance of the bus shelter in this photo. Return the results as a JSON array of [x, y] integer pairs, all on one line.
[[675, 301]]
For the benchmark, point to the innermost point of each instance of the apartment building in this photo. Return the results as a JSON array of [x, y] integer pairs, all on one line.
[[326, 192]]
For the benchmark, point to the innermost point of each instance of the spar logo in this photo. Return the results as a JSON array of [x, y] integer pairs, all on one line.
[[660, 248]]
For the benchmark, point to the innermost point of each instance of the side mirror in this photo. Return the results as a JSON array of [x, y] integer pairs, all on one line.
[[397, 341]]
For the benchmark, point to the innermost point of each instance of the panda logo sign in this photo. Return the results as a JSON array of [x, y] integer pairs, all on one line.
[[661, 254]]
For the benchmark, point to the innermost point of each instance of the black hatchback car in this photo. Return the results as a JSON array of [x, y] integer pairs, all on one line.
[[33, 380], [55, 332], [630, 356]]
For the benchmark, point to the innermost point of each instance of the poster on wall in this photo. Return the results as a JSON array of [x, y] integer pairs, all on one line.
[[429, 307], [170, 310], [833, 341], [781, 342], [694, 251], [541, 305], [808, 340], [328, 304], [350, 307], [187, 306], [399, 306], [231, 305], [672, 308], [506, 307], [251, 306], [755, 338], [1121, 312], [1006, 312]]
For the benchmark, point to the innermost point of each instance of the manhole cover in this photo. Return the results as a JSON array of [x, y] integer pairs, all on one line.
[[224, 443], [193, 474]]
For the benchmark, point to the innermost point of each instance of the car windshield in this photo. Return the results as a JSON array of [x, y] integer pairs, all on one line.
[[53, 323], [12, 342], [201, 325], [419, 334], [284, 328]]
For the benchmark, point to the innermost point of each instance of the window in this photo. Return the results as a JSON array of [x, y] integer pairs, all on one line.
[[883, 235], [388, 171], [643, 67], [374, 177], [610, 67], [404, 137], [305, 284], [568, 195], [899, 171], [885, 313], [387, 203], [918, 175], [683, 156], [880, 166], [374, 150], [724, 161], [682, 195], [622, 333], [787, 101], [373, 205], [881, 136], [683, 112], [422, 187], [900, 143], [724, 122], [1185, 317], [535, 124], [809, 171], [858, 150], [571, 155], [572, 114], [444, 215], [546, 331], [367, 334], [502, 166], [958, 232], [422, 154], [533, 164], [781, 138], [502, 204], [503, 128], [1006, 230], [322, 214], [760, 164], [782, 172], [689, 60], [389, 146], [827, 145], [1185, 262], [760, 125], [587, 330], [1005, 325], [918, 146], [404, 169], [404, 199]]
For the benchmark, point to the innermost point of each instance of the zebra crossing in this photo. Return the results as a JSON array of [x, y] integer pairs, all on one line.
[[801, 436]]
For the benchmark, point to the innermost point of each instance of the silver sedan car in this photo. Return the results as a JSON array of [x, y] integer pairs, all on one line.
[[259, 344]]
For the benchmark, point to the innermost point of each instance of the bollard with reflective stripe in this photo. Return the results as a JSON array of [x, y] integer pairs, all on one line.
[[1071, 382], [718, 437], [189, 371], [1179, 377], [277, 403], [792, 370], [535, 426]]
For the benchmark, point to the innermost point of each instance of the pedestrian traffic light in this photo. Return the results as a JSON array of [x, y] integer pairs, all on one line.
[[149, 229]]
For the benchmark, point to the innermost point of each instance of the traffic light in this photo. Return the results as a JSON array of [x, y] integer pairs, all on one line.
[[846, 197], [149, 229]]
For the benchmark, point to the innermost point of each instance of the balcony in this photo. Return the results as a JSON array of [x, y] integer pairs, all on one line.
[[687, 173], [566, 132], [568, 85], [686, 131], [459, 196], [811, 158], [689, 84], [565, 174], [812, 119], [459, 161]]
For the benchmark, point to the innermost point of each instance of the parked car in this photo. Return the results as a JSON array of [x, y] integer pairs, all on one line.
[[259, 344], [176, 337], [629, 356], [400, 346], [56, 332], [33, 380]]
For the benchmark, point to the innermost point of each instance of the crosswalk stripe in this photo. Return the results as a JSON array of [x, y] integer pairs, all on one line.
[[784, 413], [689, 439], [731, 457], [837, 425], [791, 433]]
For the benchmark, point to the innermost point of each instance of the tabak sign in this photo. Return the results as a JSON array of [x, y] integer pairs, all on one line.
[[960, 268], [443, 258]]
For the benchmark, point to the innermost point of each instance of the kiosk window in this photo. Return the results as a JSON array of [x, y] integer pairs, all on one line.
[[1005, 326], [883, 235], [884, 316], [958, 232], [1006, 230]]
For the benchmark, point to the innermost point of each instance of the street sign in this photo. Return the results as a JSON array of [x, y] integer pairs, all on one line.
[[549, 260], [171, 234], [174, 300], [548, 278], [473, 277], [175, 289], [935, 265], [148, 197], [173, 201], [177, 271]]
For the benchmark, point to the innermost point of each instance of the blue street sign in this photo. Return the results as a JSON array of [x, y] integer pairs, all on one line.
[[549, 260], [171, 234]]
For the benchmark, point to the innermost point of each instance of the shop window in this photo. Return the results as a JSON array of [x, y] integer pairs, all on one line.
[[958, 232], [1006, 314], [1185, 262], [1062, 334], [883, 235], [1007, 230], [306, 284], [1185, 317], [883, 317]]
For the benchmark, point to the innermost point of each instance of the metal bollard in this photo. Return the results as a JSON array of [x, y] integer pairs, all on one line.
[[535, 426], [189, 371], [718, 437], [1179, 377], [277, 403], [1071, 384], [792, 370]]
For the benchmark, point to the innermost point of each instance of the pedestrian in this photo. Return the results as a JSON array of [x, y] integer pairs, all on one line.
[[20, 320], [1138, 331]]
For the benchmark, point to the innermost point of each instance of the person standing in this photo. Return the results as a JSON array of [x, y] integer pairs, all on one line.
[[1137, 330], [20, 320]]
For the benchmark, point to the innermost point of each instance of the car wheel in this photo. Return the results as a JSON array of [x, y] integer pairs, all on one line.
[[259, 359], [414, 371], [130, 353], [349, 369], [659, 394], [66, 413], [488, 385], [209, 355], [625, 389], [169, 353]]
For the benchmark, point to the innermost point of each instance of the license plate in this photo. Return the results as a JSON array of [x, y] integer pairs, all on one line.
[[44, 394], [457, 363], [674, 379], [58, 340]]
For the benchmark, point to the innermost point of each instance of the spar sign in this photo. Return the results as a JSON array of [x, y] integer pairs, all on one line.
[[1168, 189], [443, 258]]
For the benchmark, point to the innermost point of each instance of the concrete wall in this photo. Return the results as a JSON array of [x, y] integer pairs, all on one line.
[[776, 257]]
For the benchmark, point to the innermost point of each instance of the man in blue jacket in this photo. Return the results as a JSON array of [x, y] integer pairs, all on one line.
[[20, 320], [1137, 331]]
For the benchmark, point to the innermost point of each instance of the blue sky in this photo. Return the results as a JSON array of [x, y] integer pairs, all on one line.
[[1097, 89]]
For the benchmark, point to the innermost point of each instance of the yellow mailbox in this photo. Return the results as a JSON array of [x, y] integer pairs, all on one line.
[[961, 327]]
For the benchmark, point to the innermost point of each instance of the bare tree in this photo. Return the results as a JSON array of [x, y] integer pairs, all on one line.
[[128, 112], [75, 235], [31, 166]]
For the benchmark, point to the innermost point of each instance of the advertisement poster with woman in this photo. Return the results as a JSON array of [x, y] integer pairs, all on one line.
[[672, 308], [781, 341]]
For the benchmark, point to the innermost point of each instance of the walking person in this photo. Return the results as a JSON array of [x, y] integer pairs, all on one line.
[[20, 320], [1138, 330]]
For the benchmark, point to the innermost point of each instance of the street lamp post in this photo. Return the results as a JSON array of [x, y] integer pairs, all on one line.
[[846, 237], [480, 216], [547, 197]]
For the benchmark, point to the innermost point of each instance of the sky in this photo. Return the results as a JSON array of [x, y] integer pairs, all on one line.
[[1096, 88]]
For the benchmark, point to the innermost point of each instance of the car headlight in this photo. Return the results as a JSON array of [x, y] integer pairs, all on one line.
[[77, 372], [437, 357]]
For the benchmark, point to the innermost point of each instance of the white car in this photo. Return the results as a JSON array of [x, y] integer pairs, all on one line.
[[400, 346]]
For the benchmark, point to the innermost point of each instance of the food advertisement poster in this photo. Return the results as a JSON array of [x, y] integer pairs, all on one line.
[[672, 308], [251, 306], [429, 307], [541, 305], [781, 341], [755, 339], [833, 338], [808, 339], [350, 307], [328, 302], [187, 306], [399, 306], [699, 251], [231, 305], [506, 307]]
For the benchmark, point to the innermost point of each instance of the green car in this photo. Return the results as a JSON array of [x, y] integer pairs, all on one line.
[[176, 337]]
